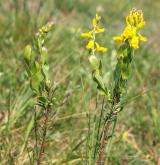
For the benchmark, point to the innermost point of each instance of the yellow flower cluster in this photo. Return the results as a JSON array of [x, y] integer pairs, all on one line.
[[134, 22], [91, 35]]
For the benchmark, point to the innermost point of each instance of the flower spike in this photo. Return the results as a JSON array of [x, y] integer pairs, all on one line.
[[92, 44], [134, 22]]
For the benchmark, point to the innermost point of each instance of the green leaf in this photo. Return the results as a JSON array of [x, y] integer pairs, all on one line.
[[99, 80], [125, 70], [36, 79], [100, 67], [40, 42], [100, 84], [44, 55], [35, 68], [28, 52], [42, 100], [45, 69]]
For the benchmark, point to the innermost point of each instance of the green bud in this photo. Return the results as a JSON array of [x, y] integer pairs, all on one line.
[[47, 27], [94, 62]]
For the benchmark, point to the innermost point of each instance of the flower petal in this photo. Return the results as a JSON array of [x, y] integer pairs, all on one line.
[[100, 30], [86, 35], [100, 48], [134, 42], [118, 39], [90, 44], [141, 38]]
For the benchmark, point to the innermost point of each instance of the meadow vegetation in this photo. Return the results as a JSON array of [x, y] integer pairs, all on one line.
[[136, 140]]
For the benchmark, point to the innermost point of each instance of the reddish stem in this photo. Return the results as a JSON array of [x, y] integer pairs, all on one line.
[[104, 143], [42, 146]]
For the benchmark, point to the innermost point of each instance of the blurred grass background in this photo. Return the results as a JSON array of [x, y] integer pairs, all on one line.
[[137, 140]]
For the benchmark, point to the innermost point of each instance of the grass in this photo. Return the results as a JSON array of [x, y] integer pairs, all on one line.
[[66, 139]]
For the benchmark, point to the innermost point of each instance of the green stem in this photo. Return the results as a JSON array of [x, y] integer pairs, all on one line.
[[99, 127], [35, 131]]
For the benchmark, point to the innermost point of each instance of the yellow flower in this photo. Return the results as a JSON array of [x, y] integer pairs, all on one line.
[[118, 39], [135, 18], [129, 32], [100, 48], [140, 25], [99, 30], [141, 38], [85, 35], [134, 22], [134, 42], [90, 44], [95, 20], [125, 135], [129, 138]]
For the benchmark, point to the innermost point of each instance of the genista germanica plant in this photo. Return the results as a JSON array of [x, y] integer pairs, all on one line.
[[43, 90], [102, 128]]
